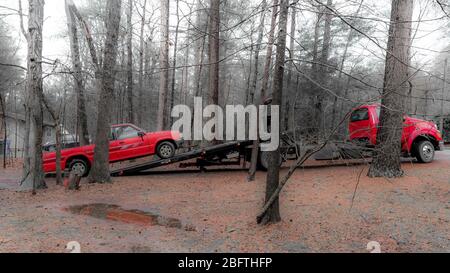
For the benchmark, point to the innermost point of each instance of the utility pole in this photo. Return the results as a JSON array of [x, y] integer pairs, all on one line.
[[443, 96]]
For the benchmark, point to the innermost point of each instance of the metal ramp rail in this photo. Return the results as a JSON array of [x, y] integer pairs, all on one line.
[[200, 154]]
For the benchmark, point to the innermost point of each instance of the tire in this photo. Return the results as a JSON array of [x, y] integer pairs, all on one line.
[[166, 150], [424, 151], [263, 161], [79, 165]]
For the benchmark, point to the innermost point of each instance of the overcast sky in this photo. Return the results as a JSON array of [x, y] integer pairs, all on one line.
[[429, 37]]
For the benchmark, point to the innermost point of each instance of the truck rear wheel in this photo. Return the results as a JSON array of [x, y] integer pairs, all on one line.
[[424, 151]]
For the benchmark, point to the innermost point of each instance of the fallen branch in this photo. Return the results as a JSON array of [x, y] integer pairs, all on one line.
[[292, 170]]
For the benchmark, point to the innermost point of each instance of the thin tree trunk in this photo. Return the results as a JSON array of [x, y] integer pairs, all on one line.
[[141, 65], [100, 170], [83, 132], [323, 74], [288, 113], [266, 76], [386, 162], [131, 110], [174, 62], [214, 52], [254, 100], [350, 36], [272, 215], [164, 66], [5, 132], [34, 175]]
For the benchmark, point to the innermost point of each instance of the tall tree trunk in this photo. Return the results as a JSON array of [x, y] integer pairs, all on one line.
[[214, 51], [288, 113], [34, 175], [141, 64], [131, 110], [78, 77], [351, 34], [323, 74], [164, 66], [56, 116], [100, 170], [386, 162], [5, 131], [266, 76], [174, 62], [272, 215], [254, 100]]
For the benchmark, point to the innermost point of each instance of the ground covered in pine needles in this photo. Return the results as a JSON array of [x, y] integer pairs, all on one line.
[[173, 211]]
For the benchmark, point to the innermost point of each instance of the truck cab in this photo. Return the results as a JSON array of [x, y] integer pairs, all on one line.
[[420, 138]]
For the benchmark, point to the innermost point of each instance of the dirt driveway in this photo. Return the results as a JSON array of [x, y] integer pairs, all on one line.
[[215, 212]]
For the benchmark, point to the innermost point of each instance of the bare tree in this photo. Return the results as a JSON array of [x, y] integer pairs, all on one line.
[[255, 149], [164, 66], [288, 113], [386, 161], [100, 169], [272, 215], [266, 75], [174, 61], [131, 110], [214, 51], [34, 174], [141, 63], [77, 76]]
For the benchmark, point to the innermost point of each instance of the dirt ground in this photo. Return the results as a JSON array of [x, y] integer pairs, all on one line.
[[215, 212]]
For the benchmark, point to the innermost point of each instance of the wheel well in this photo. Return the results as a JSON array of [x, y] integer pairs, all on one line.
[[425, 138], [81, 157], [167, 140]]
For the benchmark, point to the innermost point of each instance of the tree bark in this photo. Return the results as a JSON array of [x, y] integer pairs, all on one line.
[[272, 215], [131, 110], [288, 113], [5, 131], [34, 174], [386, 162], [214, 52], [164, 67], [266, 76], [351, 34], [254, 100], [141, 65], [100, 170], [174, 61], [322, 71], [78, 77]]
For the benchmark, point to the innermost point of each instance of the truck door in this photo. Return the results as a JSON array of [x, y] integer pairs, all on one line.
[[114, 146], [131, 144]]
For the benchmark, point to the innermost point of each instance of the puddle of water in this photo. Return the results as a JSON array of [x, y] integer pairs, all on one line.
[[116, 213]]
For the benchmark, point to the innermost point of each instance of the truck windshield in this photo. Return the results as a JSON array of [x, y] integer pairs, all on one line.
[[360, 115]]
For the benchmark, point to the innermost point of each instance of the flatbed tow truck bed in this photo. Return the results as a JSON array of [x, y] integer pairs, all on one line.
[[207, 156]]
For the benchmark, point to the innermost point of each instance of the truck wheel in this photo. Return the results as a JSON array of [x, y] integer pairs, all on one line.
[[424, 151], [165, 150], [263, 161], [80, 166]]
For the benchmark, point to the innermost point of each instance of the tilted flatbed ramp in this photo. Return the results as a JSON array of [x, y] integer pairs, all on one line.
[[201, 153]]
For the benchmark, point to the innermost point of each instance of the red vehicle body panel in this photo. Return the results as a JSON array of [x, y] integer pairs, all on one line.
[[412, 128], [119, 149]]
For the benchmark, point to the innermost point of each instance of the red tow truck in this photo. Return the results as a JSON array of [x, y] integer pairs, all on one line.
[[127, 142], [420, 138]]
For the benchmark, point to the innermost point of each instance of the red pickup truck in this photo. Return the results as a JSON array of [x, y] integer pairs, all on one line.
[[127, 142], [420, 138]]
